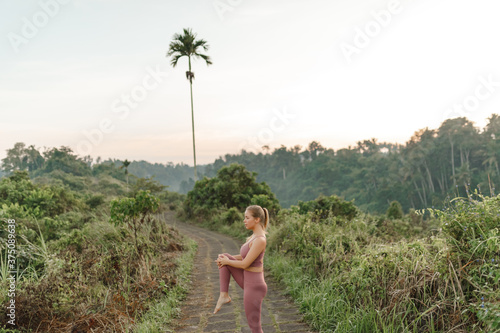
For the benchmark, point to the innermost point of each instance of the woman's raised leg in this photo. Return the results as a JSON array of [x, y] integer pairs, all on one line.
[[225, 274]]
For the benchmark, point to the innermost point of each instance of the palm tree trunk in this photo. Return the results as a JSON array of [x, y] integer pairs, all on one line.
[[431, 184], [452, 162], [418, 192], [192, 118], [441, 183]]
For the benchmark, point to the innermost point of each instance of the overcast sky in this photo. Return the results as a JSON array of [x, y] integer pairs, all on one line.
[[93, 75]]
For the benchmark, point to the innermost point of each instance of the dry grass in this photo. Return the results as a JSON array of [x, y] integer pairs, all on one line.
[[100, 289]]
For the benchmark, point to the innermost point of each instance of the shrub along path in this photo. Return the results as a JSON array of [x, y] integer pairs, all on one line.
[[279, 314]]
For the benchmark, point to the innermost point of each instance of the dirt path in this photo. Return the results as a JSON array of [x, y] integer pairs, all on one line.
[[279, 314]]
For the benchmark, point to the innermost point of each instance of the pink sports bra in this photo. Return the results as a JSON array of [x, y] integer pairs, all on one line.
[[245, 248]]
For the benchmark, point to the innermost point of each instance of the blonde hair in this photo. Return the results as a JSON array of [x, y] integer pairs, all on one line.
[[262, 213]]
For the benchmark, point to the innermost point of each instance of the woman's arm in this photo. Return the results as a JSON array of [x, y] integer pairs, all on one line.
[[236, 256], [258, 245]]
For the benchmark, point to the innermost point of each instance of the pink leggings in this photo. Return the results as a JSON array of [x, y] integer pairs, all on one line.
[[254, 289]]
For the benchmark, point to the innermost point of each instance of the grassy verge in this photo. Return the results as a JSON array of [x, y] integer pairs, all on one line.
[[94, 279], [347, 277], [368, 296], [161, 314]]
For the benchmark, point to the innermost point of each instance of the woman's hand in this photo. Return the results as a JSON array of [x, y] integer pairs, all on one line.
[[222, 260], [217, 261]]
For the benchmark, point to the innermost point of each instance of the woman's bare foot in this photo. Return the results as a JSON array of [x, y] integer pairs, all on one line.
[[222, 300]]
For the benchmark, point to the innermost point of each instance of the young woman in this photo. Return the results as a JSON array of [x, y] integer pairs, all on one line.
[[247, 268]]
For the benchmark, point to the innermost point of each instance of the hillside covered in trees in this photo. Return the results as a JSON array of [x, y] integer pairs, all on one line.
[[433, 165]]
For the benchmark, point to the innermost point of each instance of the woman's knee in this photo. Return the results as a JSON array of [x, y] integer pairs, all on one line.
[[228, 255]]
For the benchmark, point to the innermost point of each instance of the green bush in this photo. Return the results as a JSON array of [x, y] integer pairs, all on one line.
[[110, 186], [266, 201], [233, 186], [395, 210], [319, 246], [35, 200], [147, 184], [324, 206], [75, 183], [172, 200], [7, 210], [134, 212], [15, 188], [231, 216], [74, 240], [94, 201], [473, 230]]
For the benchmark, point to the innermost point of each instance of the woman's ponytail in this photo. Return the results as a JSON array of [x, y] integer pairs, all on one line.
[[266, 217]]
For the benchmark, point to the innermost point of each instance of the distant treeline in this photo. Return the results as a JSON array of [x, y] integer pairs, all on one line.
[[57, 160], [432, 166]]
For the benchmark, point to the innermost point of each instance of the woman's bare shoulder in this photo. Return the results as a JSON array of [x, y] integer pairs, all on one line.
[[260, 241]]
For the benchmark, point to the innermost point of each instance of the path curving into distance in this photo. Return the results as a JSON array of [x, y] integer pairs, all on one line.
[[279, 314]]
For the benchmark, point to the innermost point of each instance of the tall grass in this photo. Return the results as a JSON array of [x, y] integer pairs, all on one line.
[[371, 295], [93, 278], [348, 277], [161, 314], [39, 255]]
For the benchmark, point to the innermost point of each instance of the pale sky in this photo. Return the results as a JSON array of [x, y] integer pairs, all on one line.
[[92, 74]]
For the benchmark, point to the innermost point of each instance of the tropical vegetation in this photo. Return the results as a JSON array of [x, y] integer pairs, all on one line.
[[433, 166], [349, 271], [377, 237], [92, 253]]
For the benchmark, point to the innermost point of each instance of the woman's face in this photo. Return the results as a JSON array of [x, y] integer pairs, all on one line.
[[250, 221]]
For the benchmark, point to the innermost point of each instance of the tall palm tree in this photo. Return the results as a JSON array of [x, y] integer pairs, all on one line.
[[186, 45]]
